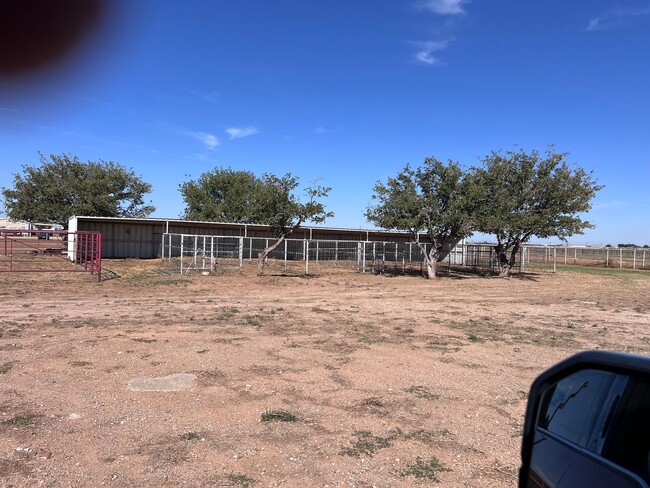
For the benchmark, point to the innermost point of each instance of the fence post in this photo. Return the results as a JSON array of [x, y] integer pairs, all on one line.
[[643, 260], [620, 257], [306, 248], [182, 251], [607, 257], [575, 256], [554, 259], [241, 252], [317, 251], [566, 250], [634, 259]]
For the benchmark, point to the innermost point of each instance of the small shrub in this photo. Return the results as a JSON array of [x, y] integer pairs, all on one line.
[[421, 391], [278, 416], [23, 420], [6, 367], [189, 436], [474, 338], [372, 402], [425, 470], [240, 480], [368, 444]]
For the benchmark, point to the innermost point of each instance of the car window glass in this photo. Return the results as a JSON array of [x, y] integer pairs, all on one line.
[[581, 406]]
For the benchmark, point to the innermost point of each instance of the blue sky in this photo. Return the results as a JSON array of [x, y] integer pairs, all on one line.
[[348, 92]]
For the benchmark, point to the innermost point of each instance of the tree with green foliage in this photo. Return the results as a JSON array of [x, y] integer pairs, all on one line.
[[62, 186], [224, 195], [436, 198], [221, 195], [281, 209], [529, 194]]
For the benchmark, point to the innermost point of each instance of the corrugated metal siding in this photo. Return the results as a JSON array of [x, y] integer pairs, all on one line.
[[126, 240], [142, 238]]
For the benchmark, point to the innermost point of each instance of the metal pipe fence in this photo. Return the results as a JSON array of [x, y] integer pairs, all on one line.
[[48, 251], [189, 253], [604, 257]]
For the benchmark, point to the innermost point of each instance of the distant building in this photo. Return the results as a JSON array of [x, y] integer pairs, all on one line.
[[20, 225], [13, 224]]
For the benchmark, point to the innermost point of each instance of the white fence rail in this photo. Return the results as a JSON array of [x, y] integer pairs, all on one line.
[[608, 257], [205, 253]]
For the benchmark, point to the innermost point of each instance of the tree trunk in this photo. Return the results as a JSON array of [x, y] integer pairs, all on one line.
[[506, 263], [503, 261], [430, 260], [513, 255], [431, 269], [263, 255]]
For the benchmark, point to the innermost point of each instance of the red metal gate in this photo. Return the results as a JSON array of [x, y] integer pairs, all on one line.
[[48, 251]]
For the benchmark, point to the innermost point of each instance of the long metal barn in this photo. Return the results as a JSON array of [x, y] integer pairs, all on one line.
[[143, 238]]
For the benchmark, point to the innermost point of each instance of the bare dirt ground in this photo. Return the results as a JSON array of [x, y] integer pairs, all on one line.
[[332, 380]]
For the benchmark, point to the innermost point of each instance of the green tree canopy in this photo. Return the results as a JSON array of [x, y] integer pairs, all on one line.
[[62, 186], [436, 198], [225, 195], [529, 194], [222, 195]]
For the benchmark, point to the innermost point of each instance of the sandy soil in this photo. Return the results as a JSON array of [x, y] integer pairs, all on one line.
[[149, 379]]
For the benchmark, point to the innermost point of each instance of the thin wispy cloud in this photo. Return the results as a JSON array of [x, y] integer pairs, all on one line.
[[427, 52], [426, 49], [443, 7], [210, 141], [239, 132], [616, 17], [609, 204]]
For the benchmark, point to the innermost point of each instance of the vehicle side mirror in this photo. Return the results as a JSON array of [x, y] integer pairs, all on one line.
[[588, 424]]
